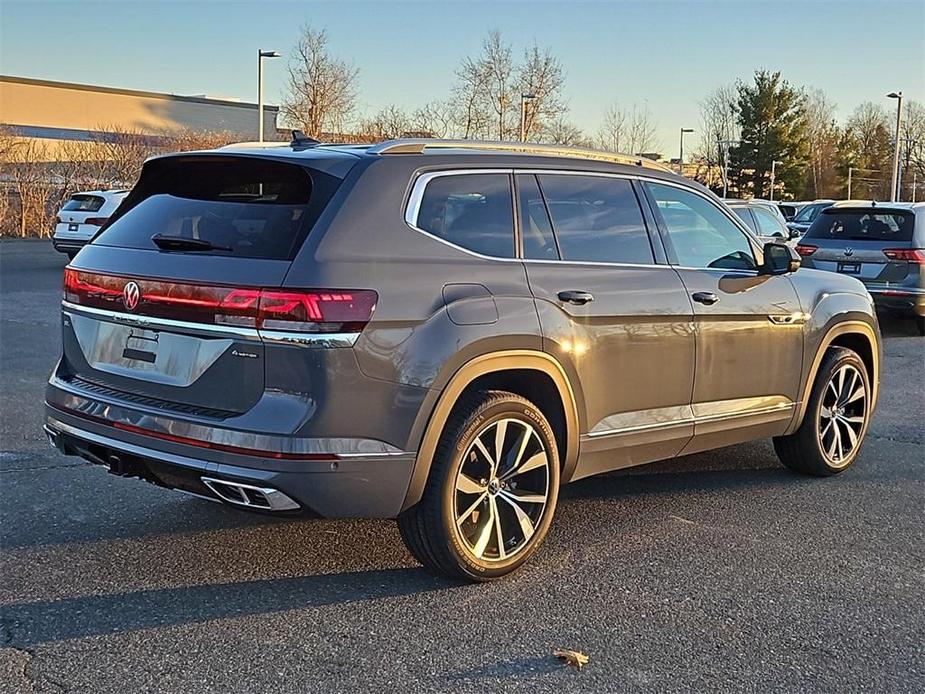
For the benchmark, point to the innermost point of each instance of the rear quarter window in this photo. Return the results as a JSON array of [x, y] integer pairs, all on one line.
[[893, 226], [247, 207]]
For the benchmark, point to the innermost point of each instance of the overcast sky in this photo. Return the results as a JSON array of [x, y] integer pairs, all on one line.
[[666, 54]]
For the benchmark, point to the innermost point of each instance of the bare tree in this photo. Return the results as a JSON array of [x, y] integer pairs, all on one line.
[[561, 132], [540, 75], [866, 147], [913, 152], [627, 130], [822, 134], [434, 118], [497, 67], [389, 123], [468, 101], [718, 123], [322, 88]]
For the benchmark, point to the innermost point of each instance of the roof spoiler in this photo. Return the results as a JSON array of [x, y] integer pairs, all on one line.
[[419, 145]]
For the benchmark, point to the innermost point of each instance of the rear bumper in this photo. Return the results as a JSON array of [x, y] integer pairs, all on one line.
[[350, 485], [899, 299], [67, 245]]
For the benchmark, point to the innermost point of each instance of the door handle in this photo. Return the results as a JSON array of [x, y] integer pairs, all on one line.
[[576, 297], [705, 298]]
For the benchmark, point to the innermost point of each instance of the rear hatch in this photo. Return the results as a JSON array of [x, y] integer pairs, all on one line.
[[870, 243], [164, 307], [81, 217]]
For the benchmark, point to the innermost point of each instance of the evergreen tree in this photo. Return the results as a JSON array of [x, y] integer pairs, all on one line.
[[772, 119]]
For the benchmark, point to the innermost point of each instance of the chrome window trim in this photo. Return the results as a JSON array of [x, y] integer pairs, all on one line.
[[413, 208]]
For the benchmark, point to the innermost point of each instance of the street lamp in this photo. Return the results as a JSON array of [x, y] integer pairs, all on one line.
[[850, 169], [899, 118], [774, 164], [681, 150], [261, 54], [524, 98]]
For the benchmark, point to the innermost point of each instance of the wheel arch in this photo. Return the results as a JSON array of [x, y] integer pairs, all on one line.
[[857, 335], [525, 372]]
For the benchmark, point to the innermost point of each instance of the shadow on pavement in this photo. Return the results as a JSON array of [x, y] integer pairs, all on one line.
[[32, 624]]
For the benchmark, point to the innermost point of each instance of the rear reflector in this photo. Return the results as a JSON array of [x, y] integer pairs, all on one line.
[[911, 255], [297, 310], [806, 250]]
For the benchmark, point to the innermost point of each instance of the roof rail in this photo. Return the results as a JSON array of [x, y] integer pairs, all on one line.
[[418, 145]]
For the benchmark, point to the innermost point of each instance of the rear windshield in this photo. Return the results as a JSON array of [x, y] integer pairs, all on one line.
[[83, 203], [862, 225], [249, 208]]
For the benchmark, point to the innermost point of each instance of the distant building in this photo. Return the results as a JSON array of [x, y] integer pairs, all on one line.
[[62, 111]]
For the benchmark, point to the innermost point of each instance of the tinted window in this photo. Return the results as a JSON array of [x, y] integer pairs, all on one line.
[[596, 218], [474, 211], [862, 225], [251, 208], [83, 203], [538, 240], [810, 212], [768, 224], [746, 216], [700, 234]]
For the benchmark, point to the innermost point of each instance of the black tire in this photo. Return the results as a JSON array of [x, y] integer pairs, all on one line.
[[920, 324], [807, 450], [71, 254], [430, 529]]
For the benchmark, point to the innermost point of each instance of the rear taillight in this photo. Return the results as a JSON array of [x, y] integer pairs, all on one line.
[[293, 310], [96, 221], [910, 255], [805, 249]]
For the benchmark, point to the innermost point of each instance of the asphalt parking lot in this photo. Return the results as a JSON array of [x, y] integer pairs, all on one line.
[[720, 571]]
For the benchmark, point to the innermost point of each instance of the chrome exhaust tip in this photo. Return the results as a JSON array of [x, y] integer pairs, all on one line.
[[250, 496]]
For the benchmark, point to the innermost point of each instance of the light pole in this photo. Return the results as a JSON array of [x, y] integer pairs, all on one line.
[[524, 98], [261, 54], [899, 119], [774, 164], [681, 150], [850, 169]]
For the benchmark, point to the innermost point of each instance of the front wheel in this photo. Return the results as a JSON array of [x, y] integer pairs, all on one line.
[[491, 493], [833, 428]]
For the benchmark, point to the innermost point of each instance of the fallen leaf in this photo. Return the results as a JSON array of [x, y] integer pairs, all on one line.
[[570, 657]]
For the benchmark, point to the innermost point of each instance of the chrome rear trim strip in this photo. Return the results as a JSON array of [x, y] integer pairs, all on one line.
[[152, 323]]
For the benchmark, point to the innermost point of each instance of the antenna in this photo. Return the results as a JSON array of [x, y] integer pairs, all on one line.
[[300, 139]]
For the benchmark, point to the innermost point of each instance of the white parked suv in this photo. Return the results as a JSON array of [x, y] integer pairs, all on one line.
[[82, 216]]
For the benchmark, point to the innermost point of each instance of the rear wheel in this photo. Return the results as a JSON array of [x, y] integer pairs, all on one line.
[[491, 493], [833, 428], [920, 324]]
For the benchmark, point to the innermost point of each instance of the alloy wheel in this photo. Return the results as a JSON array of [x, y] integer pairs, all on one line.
[[501, 490], [842, 415]]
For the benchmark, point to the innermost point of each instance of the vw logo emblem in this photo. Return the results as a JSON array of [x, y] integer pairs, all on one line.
[[849, 251], [130, 296]]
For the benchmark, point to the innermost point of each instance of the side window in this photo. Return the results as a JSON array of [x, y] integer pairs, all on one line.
[[746, 216], [699, 233], [596, 218], [535, 228], [768, 224], [474, 211]]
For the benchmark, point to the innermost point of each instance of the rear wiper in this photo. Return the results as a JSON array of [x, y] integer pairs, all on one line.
[[185, 243]]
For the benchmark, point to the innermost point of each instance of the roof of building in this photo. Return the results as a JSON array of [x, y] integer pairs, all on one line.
[[132, 92]]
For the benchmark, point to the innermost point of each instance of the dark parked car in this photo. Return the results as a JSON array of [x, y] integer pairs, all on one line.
[[443, 333], [882, 244], [806, 216], [761, 218]]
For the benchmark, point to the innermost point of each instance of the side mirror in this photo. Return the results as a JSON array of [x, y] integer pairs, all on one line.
[[779, 259]]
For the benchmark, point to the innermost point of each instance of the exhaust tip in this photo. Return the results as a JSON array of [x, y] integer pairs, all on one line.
[[250, 496]]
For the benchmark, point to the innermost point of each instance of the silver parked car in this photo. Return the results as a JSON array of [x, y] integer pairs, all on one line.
[[882, 244]]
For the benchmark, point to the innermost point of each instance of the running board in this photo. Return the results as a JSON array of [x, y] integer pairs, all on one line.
[[249, 496]]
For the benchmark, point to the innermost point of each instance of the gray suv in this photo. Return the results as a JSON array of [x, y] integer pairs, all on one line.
[[443, 333]]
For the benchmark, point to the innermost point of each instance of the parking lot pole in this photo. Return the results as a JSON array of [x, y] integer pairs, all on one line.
[[850, 169], [899, 119]]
